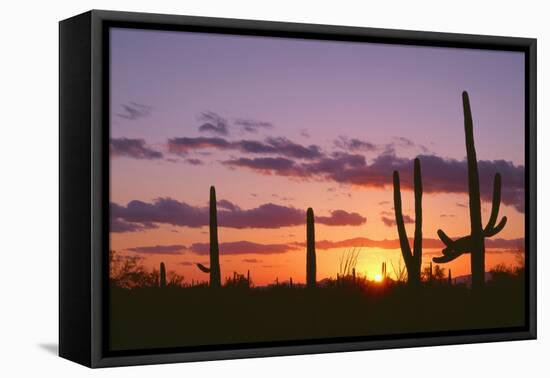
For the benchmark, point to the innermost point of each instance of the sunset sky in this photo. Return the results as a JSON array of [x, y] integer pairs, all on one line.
[[279, 125]]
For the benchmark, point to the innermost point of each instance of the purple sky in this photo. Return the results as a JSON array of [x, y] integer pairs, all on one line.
[[385, 90]]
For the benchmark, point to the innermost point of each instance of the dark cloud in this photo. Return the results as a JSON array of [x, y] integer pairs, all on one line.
[[228, 205], [341, 217], [159, 249], [120, 226], [264, 216], [139, 215], [286, 147], [133, 111], [268, 165], [251, 125], [243, 248], [354, 145], [212, 123], [271, 146], [390, 222], [194, 161], [132, 148], [438, 175], [181, 146]]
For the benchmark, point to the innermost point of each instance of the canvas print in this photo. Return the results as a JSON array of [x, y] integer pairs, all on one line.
[[282, 190]]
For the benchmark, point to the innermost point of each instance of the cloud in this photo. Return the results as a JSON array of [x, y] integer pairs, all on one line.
[[120, 226], [427, 243], [269, 166], [212, 123], [270, 146], [243, 248], [304, 133], [194, 161], [438, 175], [228, 205], [341, 217], [246, 247], [159, 249], [133, 148], [390, 222], [251, 261], [355, 145], [252, 126], [181, 146], [186, 263], [139, 215], [133, 111]]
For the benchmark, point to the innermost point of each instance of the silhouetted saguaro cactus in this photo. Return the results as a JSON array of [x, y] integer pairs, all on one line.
[[248, 278], [384, 270], [162, 275], [475, 242], [311, 268], [413, 259], [450, 278], [290, 282], [214, 269]]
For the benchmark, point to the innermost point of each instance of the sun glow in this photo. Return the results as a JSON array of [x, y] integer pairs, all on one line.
[[377, 278]]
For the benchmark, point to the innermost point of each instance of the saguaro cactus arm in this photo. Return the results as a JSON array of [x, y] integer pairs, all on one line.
[[399, 221], [456, 248], [490, 229], [203, 268]]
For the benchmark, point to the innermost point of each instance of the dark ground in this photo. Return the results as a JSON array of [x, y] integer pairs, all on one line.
[[147, 318]]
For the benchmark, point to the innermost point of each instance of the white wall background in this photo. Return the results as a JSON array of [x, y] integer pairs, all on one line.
[[29, 186]]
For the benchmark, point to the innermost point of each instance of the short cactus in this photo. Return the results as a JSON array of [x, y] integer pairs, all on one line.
[[311, 264], [162, 275], [214, 269]]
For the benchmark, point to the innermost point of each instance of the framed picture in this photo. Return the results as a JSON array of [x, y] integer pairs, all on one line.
[[234, 188]]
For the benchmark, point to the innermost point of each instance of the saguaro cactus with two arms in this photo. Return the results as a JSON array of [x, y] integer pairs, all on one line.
[[475, 242], [413, 259]]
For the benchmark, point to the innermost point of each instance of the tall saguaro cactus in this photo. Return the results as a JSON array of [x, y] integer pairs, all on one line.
[[214, 270], [162, 275], [413, 259], [311, 264], [475, 242]]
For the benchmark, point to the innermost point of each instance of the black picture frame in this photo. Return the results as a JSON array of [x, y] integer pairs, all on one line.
[[84, 189]]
